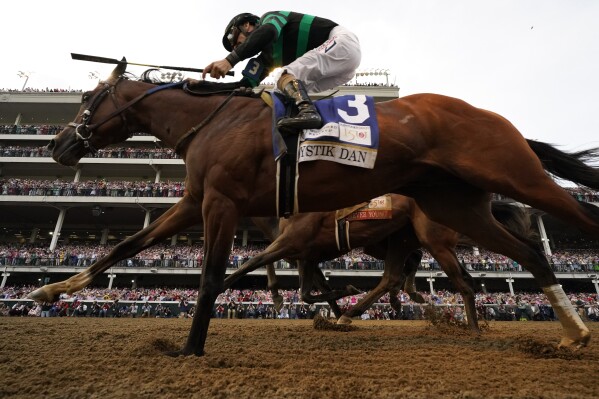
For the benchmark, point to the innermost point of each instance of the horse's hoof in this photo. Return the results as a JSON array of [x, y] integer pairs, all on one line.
[[182, 352], [344, 320], [575, 343], [416, 297], [42, 295], [353, 290]]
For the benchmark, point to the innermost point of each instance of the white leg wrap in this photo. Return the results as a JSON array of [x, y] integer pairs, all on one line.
[[574, 328]]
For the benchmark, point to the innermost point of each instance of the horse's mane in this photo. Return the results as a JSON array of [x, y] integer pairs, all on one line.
[[155, 76]]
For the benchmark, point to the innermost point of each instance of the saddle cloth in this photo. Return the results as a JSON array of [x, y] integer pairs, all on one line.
[[350, 132], [376, 209]]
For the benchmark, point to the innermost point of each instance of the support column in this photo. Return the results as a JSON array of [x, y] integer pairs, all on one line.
[[57, 229], [147, 219], [33, 235], [510, 280], [18, 120], [595, 283], [431, 280], [77, 175], [174, 240], [244, 239], [111, 277], [104, 238], [5, 276], [158, 170], [483, 286], [544, 238]]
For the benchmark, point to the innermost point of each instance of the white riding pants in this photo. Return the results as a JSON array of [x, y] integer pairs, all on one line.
[[331, 64]]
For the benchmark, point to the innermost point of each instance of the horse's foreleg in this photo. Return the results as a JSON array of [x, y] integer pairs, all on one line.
[[183, 214], [275, 251], [220, 221], [312, 277], [397, 253]]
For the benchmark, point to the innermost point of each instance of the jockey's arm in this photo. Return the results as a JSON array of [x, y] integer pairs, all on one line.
[[260, 39]]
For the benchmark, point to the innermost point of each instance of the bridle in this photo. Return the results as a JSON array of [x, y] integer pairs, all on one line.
[[84, 130]]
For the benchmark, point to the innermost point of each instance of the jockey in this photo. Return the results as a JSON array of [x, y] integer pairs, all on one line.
[[315, 54]]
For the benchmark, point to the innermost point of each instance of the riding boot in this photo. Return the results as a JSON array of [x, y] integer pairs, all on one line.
[[307, 116]]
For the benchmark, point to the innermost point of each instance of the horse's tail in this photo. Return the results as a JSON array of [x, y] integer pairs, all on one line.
[[513, 217], [569, 166]]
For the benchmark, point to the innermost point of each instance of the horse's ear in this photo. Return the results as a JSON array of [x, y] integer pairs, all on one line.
[[120, 69]]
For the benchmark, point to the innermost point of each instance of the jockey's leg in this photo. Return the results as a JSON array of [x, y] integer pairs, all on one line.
[[307, 116]]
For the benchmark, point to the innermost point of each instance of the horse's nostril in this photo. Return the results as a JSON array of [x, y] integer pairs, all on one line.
[[51, 145]]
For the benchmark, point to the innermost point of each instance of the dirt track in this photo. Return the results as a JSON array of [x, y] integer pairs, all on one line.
[[122, 358]]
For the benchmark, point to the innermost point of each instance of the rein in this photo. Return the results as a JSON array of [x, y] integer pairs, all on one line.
[[238, 91], [87, 114], [191, 132], [84, 127]]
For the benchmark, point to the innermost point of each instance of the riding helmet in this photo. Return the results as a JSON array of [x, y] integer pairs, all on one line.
[[237, 21]]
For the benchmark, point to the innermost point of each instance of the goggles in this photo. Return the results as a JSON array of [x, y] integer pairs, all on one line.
[[233, 36]]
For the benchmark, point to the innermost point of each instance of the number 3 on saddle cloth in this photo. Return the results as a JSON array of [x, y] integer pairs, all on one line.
[[349, 135]]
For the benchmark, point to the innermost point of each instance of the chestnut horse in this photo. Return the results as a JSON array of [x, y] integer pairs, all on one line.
[[441, 151], [310, 238]]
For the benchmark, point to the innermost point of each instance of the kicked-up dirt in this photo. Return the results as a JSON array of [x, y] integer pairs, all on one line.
[[124, 358]]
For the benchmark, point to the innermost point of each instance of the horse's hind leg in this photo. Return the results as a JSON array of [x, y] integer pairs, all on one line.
[[456, 274], [441, 241], [467, 210], [183, 214], [409, 285], [411, 267], [273, 286]]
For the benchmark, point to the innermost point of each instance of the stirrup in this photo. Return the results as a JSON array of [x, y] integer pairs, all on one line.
[[306, 119]]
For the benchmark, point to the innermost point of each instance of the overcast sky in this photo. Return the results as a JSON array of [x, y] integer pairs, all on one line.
[[535, 62]]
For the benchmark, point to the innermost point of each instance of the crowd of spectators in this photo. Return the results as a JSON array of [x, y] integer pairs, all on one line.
[[581, 194], [98, 188], [31, 129], [37, 90], [250, 303], [111, 152], [163, 255]]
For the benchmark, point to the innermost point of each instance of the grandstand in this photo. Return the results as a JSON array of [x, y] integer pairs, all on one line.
[[48, 207]]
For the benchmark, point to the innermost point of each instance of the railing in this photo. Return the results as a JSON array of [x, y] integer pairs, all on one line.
[[265, 310], [375, 266], [112, 153], [83, 189]]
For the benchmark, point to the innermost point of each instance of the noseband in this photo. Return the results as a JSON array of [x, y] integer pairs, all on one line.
[[84, 130]]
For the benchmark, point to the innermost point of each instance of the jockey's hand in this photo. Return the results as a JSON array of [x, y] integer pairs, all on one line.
[[217, 69]]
